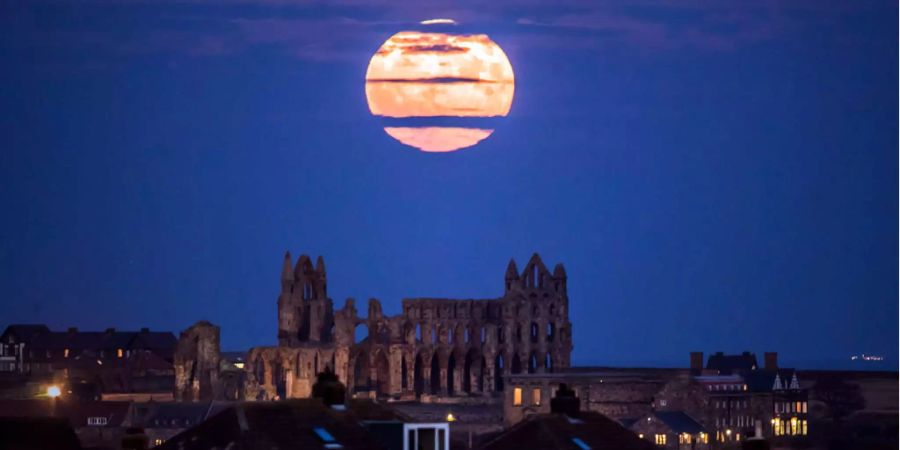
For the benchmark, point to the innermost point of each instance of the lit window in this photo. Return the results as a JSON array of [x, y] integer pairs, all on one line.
[[704, 438], [660, 439], [662, 402], [120, 353], [684, 438], [66, 353], [804, 407], [517, 397], [641, 435], [536, 396], [158, 441], [581, 444], [804, 430]]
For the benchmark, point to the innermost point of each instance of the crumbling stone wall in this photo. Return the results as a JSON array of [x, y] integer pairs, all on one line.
[[196, 362], [436, 347]]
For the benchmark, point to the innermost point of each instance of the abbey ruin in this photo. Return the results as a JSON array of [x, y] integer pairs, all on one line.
[[438, 347]]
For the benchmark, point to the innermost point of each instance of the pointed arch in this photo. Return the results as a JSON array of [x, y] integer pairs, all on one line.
[[532, 363]]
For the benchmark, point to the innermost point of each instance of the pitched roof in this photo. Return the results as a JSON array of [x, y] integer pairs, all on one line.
[[110, 339], [181, 415], [25, 332], [22, 433], [558, 431], [76, 412], [728, 364], [284, 425], [764, 380], [679, 422]]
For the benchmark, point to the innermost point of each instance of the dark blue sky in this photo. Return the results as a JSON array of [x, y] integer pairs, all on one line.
[[714, 177]]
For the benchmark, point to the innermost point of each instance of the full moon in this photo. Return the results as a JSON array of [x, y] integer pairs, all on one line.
[[439, 75]]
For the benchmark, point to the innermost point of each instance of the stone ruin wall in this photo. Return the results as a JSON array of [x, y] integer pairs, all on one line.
[[435, 347]]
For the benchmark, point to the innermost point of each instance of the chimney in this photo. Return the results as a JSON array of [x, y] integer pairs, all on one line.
[[696, 362], [73, 330], [565, 402], [145, 330], [771, 361], [746, 354]]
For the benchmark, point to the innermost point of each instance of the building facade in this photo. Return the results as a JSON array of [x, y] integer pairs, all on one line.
[[435, 347]]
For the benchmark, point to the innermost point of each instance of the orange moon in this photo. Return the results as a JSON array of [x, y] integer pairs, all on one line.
[[418, 74]]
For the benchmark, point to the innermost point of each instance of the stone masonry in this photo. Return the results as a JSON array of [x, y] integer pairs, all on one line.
[[438, 347]]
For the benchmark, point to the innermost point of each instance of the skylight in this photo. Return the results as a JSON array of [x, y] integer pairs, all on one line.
[[326, 437], [581, 444]]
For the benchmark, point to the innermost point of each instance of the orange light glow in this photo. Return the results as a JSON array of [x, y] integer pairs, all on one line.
[[418, 74], [438, 139]]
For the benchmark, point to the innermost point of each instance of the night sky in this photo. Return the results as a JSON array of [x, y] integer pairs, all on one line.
[[713, 175]]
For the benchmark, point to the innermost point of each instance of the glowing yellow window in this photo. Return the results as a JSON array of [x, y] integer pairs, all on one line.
[[660, 439], [803, 423], [684, 438], [517, 397], [120, 353], [704, 438], [536, 396], [66, 353], [804, 406]]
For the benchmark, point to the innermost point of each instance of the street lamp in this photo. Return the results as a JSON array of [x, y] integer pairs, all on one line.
[[450, 417], [53, 391]]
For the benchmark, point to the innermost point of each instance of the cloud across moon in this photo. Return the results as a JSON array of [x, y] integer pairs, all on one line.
[[439, 75]]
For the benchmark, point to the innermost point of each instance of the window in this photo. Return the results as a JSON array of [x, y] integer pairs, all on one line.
[[430, 436], [663, 402], [581, 444], [536, 396], [684, 438], [660, 439], [96, 421], [120, 353], [804, 408], [517, 397], [704, 438], [66, 353]]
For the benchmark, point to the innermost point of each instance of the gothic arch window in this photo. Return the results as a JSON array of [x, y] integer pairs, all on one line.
[[548, 363], [550, 331], [500, 337], [534, 332], [483, 335], [450, 335], [467, 335], [532, 363]]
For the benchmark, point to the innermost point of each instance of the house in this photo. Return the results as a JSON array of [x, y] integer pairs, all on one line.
[[566, 426], [37, 433], [14, 345], [163, 420], [310, 424], [672, 430], [95, 424]]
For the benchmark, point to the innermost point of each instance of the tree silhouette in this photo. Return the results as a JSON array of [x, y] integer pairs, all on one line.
[[841, 398], [329, 388]]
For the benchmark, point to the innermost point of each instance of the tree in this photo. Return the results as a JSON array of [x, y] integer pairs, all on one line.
[[841, 398], [329, 388]]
